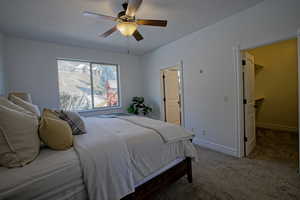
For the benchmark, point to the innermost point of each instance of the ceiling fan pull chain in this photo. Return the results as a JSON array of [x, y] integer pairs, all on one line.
[[128, 51]]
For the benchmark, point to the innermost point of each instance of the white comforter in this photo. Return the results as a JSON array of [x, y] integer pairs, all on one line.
[[169, 132], [105, 162], [116, 154]]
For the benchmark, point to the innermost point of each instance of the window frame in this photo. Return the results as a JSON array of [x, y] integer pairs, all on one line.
[[92, 84]]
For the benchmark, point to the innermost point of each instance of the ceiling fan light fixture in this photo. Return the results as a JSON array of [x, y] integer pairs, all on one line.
[[126, 20], [127, 28]]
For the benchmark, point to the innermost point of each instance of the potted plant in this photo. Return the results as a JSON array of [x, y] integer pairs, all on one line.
[[137, 106]]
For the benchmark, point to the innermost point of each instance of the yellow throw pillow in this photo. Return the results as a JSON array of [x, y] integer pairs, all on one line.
[[54, 132], [50, 113]]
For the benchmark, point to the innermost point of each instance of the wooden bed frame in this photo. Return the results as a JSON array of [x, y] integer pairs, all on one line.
[[146, 190]]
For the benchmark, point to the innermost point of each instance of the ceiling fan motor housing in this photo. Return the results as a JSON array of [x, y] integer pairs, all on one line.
[[121, 14]]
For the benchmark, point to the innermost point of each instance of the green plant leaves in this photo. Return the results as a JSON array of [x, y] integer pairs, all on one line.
[[138, 106]]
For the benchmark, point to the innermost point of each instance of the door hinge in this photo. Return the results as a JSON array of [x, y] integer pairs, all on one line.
[[245, 139], [164, 76], [245, 101], [164, 99], [243, 62]]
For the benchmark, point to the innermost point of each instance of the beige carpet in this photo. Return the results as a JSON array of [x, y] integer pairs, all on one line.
[[218, 176], [280, 146]]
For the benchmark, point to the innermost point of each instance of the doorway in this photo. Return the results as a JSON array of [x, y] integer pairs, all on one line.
[[171, 95], [270, 92]]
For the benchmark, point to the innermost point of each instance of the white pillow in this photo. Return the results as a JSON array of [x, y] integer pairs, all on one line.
[[19, 140], [26, 105], [9, 104]]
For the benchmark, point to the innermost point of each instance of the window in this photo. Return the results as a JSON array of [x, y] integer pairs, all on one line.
[[87, 86]]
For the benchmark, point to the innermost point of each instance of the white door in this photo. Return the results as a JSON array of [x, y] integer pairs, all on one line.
[[172, 96], [249, 101]]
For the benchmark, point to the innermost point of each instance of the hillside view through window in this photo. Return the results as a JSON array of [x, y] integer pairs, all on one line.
[[87, 86]]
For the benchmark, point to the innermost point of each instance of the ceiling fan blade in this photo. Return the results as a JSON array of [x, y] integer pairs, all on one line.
[[98, 16], [150, 22], [133, 6], [109, 32], [137, 35]]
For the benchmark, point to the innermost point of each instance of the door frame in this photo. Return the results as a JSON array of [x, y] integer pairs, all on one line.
[[179, 67], [239, 94], [298, 39]]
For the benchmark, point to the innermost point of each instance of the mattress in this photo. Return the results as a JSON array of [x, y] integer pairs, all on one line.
[[48, 178], [53, 175]]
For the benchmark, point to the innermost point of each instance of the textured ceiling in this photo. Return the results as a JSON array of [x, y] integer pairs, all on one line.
[[61, 21]]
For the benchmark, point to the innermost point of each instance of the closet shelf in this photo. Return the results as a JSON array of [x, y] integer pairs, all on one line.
[[257, 99], [257, 66]]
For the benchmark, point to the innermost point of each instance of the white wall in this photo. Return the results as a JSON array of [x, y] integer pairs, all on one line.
[[31, 67], [211, 97], [2, 78]]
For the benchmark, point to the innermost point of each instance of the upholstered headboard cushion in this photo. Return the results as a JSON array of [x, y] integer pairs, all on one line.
[[26, 105], [22, 95], [5, 102]]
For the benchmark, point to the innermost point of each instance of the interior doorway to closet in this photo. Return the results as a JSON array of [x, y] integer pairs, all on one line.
[[171, 94], [270, 81]]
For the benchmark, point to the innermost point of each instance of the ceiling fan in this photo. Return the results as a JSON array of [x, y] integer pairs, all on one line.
[[127, 24]]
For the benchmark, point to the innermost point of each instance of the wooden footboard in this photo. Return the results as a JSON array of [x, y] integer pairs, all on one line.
[[146, 190]]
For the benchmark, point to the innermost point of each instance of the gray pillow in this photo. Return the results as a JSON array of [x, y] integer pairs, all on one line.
[[19, 140], [74, 120]]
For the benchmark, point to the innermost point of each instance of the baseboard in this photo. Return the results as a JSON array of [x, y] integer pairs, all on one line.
[[215, 146], [278, 127]]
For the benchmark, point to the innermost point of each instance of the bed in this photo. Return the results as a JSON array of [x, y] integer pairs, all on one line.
[[64, 174]]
